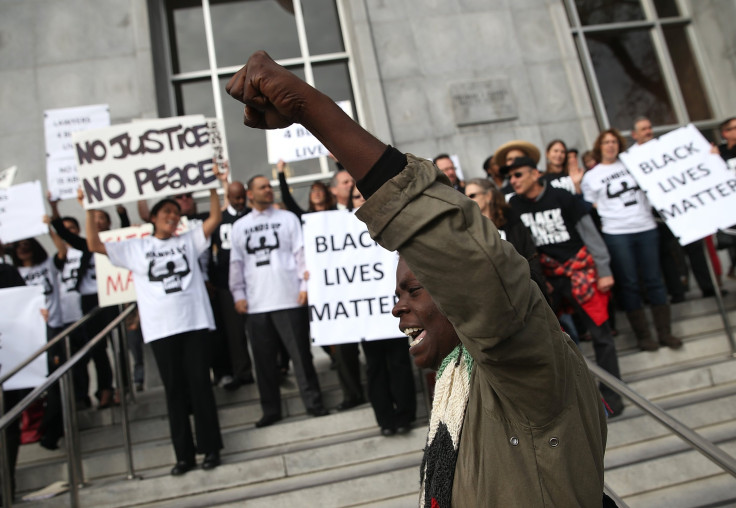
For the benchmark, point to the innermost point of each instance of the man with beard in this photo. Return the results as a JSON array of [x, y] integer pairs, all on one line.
[[516, 418]]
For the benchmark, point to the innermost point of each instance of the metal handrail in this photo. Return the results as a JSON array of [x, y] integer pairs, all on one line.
[[67, 403], [49, 345], [695, 440]]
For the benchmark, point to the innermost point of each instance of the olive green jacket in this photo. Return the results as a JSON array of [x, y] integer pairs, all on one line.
[[534, 432]]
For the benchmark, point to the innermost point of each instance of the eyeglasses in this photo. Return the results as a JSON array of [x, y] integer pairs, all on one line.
[[517, 174], [188, 195]]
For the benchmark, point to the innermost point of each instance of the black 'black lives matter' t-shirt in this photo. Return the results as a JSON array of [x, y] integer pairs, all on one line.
[[551, 221]]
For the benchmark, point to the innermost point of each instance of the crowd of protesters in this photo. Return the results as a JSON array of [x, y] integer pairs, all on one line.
[[204, 295]]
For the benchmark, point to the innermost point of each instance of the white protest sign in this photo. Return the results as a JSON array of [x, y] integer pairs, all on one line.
[[115, 285], [21, 212], [296, 143], [217, 140], [691, 188], [352, 280], [7, 176], [144, 159], [62, 179], [22, 333], [59, 125]]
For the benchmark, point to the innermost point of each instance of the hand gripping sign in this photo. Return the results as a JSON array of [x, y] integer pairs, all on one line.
[[144, 159]]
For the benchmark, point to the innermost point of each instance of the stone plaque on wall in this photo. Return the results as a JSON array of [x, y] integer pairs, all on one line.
[[485, 101]]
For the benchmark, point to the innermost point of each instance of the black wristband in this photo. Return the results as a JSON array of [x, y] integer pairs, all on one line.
[[391, 163]]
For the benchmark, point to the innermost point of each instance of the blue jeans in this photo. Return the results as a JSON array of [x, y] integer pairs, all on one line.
[[635, 256]]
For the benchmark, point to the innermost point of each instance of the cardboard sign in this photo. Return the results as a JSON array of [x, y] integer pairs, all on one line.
[[115, 285], [145, 159], [351, 283], [59, 125], [21, 212], [22, 333], [690, 187], [296, 143], [7, 176]]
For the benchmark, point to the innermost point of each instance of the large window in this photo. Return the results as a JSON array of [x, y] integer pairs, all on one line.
[[639, 60], [200, 44]]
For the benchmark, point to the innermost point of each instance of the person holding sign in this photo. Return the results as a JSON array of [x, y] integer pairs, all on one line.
[[175, 315], [516, 417], [630, 233]]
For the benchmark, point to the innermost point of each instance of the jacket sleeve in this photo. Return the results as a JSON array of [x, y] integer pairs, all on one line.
[[479, 282], [597, 248], [287, 198], [75, 241]]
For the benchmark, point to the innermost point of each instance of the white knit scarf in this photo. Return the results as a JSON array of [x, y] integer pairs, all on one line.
[[445, 427]]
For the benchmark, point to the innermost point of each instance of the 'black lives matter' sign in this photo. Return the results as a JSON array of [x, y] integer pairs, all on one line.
[[690, 187], [146, 159], [351, 280]]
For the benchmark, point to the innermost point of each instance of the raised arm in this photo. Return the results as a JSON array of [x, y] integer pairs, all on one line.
[[275, 98], [210, 223], [94, 244], [286, 196]]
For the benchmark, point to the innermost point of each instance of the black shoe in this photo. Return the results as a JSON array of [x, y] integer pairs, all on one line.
[[182, 467], [388, 431], [403, 429], [267, 420], [318, 411], [677, 299], [248, 380], [616, 406], [233, 385], [211, 461], [348, 404], [49, 443]]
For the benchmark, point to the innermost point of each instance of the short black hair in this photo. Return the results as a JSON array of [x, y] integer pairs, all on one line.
[[158, 206], [441, 156], [487, 163], [71, 219], [252, 179], [724, 123]]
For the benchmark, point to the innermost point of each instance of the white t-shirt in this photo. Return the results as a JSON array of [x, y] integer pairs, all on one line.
[[621, 204], [271, 248], [46, 275], [172, 297], [71, 299]]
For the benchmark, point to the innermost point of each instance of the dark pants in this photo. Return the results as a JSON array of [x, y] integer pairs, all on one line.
[[291, 328], [183, 364], [390, 382], [12, 431], [98, 354], [672, 260], [347, 365], [52, 423], [233, 327], [603, 345], [699, 265]]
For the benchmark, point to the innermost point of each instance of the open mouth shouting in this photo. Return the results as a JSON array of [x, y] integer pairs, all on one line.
[[416, 334]]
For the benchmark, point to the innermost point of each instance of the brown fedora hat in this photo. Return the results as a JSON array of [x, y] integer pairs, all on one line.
[[499, 157]]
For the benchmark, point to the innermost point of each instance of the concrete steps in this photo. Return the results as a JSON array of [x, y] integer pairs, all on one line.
[[341, 460]]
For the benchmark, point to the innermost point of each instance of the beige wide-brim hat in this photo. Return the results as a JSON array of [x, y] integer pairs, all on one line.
[[499, 157]]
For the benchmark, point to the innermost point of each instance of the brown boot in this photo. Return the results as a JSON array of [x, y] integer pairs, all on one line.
[[638, 321], [662, 323]]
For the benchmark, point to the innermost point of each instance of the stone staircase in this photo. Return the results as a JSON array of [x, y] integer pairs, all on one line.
[[341, 460], [648, 466]]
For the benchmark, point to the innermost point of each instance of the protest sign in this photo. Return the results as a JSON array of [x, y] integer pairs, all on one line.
[[115, 285], [22, 333], [690, 187], [7, 176], [59, 125], [21, 212], [295, 143], [351, 280], [145, 159], [217, 141]]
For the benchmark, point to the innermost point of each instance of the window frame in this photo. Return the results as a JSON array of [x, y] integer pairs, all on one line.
[[655, 26]]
